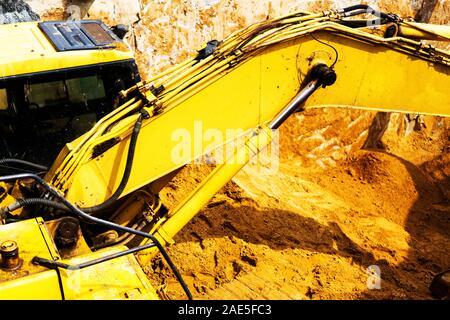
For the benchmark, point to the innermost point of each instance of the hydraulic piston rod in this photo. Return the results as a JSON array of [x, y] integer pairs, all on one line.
[[299, 99], [321, 75]]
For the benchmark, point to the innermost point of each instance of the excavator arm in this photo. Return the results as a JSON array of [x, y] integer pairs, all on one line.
[[241, 88]]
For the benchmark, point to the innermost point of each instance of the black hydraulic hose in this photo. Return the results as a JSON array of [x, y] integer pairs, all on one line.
[[356, 7], [123, 183], [127, 171], [362, 8], [24, 163], [20, 203], [362, 23], [55, 264], [99, 221]]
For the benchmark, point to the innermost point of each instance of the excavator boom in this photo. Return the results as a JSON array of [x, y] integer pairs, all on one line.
[[247, 79]]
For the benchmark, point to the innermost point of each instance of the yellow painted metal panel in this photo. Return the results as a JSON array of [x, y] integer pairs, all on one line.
[[120, 278], [379, 78], [25, 49], [425, 31], [222, 106], [369, 77], [40, 286], [28, 236], [29, 281]]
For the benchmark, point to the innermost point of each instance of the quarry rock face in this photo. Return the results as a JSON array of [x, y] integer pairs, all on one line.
[[12, 11], [112, 12], [167, 32]]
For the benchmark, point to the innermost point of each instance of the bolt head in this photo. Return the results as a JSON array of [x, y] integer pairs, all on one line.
[[8, 246]]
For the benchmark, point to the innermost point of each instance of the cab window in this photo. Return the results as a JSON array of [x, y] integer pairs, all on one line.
[[82, 90], [77, 91], [46, 94], [39, 114]]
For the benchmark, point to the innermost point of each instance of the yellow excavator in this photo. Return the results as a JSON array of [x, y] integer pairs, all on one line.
[[86, 145]]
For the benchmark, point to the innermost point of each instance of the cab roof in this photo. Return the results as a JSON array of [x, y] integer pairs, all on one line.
[[36, 47]]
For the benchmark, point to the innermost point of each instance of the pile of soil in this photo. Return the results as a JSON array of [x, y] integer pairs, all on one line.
[[312, 231]]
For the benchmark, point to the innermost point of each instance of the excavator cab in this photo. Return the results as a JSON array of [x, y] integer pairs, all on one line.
[[55, 85]]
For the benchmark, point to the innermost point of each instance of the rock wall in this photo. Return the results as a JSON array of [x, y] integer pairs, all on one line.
[[12, 11], [167, 32]]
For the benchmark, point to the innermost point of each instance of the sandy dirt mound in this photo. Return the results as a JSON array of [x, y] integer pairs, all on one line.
[[311, 231]]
